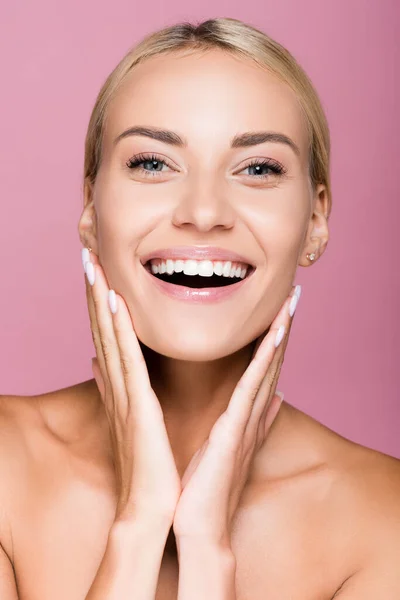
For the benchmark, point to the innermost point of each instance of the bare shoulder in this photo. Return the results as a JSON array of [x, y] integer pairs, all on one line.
[[60, 411], [370, 484], [30, 424], [36, 433], [348, 497], [365, 483], [368, 481], [21, 422], [366, 504], [17, 417], [361, 492]]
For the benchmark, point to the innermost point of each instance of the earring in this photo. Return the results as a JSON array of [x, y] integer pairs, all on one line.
[[311, 256]]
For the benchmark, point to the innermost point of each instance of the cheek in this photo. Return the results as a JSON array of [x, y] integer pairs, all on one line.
[[122, 217], [280, 234], [128, 207]]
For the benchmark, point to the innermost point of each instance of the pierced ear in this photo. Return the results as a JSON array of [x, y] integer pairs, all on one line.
[[317, 236]]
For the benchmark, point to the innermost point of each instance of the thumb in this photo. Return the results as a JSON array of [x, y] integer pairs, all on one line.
[[193, 464], [98, 377]]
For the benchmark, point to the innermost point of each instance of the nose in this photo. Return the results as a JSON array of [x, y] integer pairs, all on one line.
[[204, 207]]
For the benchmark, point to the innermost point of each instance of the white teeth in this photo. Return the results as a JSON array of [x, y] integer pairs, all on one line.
[[170, 267], [190, 267], [226, 269], [218, 267], [179, 264], [204, 268]]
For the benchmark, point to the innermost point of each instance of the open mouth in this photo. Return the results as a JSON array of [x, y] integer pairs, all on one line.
[[237, 273]]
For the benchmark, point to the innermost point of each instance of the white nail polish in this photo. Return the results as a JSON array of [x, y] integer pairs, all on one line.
[[90, 272], [85, 256], [293, 304], [279, 335], [112, 301], [297, 290]]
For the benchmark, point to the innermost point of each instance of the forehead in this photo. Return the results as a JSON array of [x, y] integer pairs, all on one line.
[[206, 96]]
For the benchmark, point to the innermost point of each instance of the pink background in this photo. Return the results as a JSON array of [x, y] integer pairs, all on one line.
[[341, 363]]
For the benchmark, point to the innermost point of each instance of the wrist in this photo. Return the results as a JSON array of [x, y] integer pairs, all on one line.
[[132, 533], [207, 548], [220, 543], [206, 570]]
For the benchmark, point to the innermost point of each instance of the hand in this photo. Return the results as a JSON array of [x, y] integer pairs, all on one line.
[[148, 481], [216, 475]]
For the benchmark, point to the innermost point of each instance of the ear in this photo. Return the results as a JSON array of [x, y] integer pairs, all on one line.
[[87, 226], [317, 235]]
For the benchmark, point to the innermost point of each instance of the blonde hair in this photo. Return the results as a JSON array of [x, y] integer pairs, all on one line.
[[235, 37]]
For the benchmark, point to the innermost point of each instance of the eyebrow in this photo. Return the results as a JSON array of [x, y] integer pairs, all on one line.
[[243, 140]]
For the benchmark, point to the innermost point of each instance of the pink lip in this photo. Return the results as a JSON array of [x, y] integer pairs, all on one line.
[[197, 253], [197, 295]]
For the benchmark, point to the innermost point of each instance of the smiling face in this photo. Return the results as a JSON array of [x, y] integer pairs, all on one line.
[[202, 193]]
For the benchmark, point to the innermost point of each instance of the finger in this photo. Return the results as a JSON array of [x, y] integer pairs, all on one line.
[[264, 415], [122, 318], [270, 381], [134, 367], [245, 394], [94, 328], [256, 426], [193, 464], [98, 377], [125, 363], [261, 371], [266, 392], [280, 317], [270, 414], [104, 337]]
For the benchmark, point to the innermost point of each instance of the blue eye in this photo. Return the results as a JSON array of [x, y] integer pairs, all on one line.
[[266, 165], [148, 161], [151, 164]]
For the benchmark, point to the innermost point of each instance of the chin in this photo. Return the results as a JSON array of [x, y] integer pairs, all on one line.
[[192, 344]]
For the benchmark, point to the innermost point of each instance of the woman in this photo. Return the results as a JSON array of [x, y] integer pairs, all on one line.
[[176, 472]]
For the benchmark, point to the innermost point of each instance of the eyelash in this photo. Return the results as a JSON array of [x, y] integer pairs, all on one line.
[[135, 161]]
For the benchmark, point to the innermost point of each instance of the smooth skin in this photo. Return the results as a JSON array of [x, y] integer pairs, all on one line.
[[154, 490], [200, 507], [318, 516]]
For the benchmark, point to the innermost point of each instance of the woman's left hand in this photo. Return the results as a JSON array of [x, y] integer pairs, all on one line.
[[215, 477]]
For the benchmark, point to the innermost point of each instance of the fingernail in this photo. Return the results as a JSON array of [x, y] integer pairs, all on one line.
[[293, 304], [281, 395], [112, 301], [85, 257], [279, 335], [297, 290], [90, 272]]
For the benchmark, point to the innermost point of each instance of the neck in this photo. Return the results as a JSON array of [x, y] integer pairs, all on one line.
[[193, 395]]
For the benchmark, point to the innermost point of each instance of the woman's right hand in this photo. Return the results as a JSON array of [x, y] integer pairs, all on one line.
[[148, 482]]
